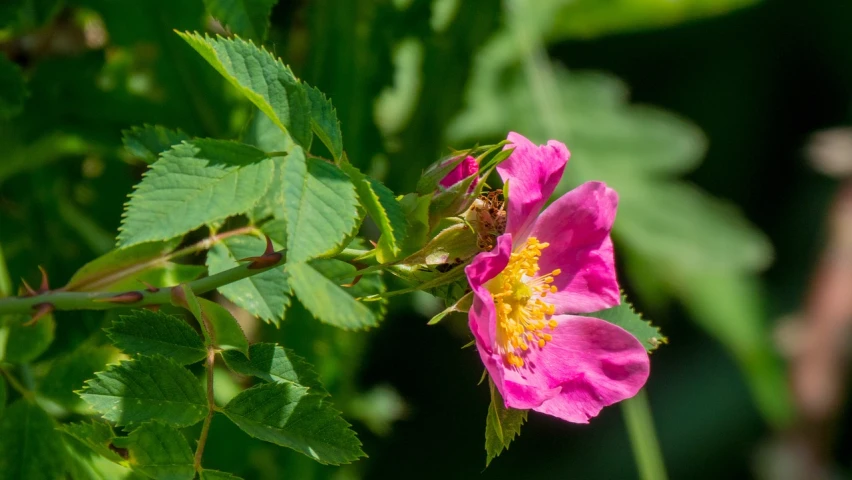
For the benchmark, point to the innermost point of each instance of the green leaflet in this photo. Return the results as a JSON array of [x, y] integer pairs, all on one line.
[[217, 475], [97, 436], [327, 301], [273, 363], [194, 184], [324, 122], [262, 78], [67, 373], [227, 333], [159, 451], [246, 18], [22, 344], [320, 207], [286, 414], [625, 317], [149, 141], [416, 212], [502, 425], [29, 446], [84, 464], [382, 207], [125, 269], [145, 332], [147, 388], [265, 295], [12, 88], [343, 273]]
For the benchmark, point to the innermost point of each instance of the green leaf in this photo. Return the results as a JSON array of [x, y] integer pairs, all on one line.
[[125, 269], [625, 317], [227, 333], [327, 301], [12, 88], [145, 332], [159, 451], [416, 211], [217, 475], [97, 436], [263, 79], [85, 464], [149, 141], [67, 373], [382, 206], [324, 122], [343, 273], [147, 388], [286, 414], [29, 447], [273, 363], [265, 295], [194, 184], [320, 207], [502, 425], [246, 18], [23, 344]]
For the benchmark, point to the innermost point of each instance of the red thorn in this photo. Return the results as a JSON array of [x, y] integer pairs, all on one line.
[[269, 248], [153, 307], [266, 261], [45, 284], [149, 287], [374, 244], [28, 288], [126, 297], [41, 310], [353, 283]]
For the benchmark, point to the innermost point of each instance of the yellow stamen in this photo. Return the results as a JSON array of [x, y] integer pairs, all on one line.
[[519, 293]]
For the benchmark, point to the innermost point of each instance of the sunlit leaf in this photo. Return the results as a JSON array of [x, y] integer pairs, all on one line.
[[326, 300], [502, 425], [273, 363], [383, 207], [227, 333], [151, 333], [324, 122]]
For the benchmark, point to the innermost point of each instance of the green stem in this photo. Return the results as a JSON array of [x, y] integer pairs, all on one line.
[[643, 438], [60, 300], [16, 385], [211, 405]]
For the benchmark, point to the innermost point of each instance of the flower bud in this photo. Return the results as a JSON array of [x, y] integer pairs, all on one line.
[[446, 172], [463, 170]]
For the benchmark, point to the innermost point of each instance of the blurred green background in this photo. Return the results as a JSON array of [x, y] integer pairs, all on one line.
[[701, 113]]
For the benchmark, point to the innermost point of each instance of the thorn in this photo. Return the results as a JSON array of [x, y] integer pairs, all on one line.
[[28, 288], [353, 283], [153, 307], [374, 244], [41, 310], [45, 284], [149, 287], [269, 258], [127, 297]]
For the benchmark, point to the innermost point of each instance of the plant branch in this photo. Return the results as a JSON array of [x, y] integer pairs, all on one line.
[[211, 408]]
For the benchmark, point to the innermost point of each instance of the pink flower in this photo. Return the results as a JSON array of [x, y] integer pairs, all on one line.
[[463, 170], [546, 268]]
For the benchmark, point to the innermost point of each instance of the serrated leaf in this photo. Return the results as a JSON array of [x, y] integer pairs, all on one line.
[[97, 436], [263, 79], [502, 425], [416, 211], [326, 300], [382, 206], [21, 343], [85, 464], [67, 373], [159, 451], [274, 363], [343, 273], [217, 475], [29, 447], [227, 333], [324, 121], [246, 18], [125, 269], [286, 414], [147, 388], [320, 207], [12, 88], [625, 317], [194, 184], [149, 141], [145, 332], [265, 295]]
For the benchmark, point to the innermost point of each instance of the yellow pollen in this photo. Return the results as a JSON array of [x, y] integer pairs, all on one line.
[[519, 292]]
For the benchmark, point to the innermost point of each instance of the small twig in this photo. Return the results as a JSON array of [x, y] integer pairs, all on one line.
[[211, 406], [16, 385]]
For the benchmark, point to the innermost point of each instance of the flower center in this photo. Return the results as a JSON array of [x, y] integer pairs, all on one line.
[[522, 313]]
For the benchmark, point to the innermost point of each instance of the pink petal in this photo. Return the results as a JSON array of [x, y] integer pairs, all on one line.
[[532, 173], [592, 361], [466, 168], [484, 267], [577, 226]]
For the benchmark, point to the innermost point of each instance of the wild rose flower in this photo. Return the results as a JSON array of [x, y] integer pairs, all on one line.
[[543, 270]]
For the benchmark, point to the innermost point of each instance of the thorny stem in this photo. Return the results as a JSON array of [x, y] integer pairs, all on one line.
[[211, 408]]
